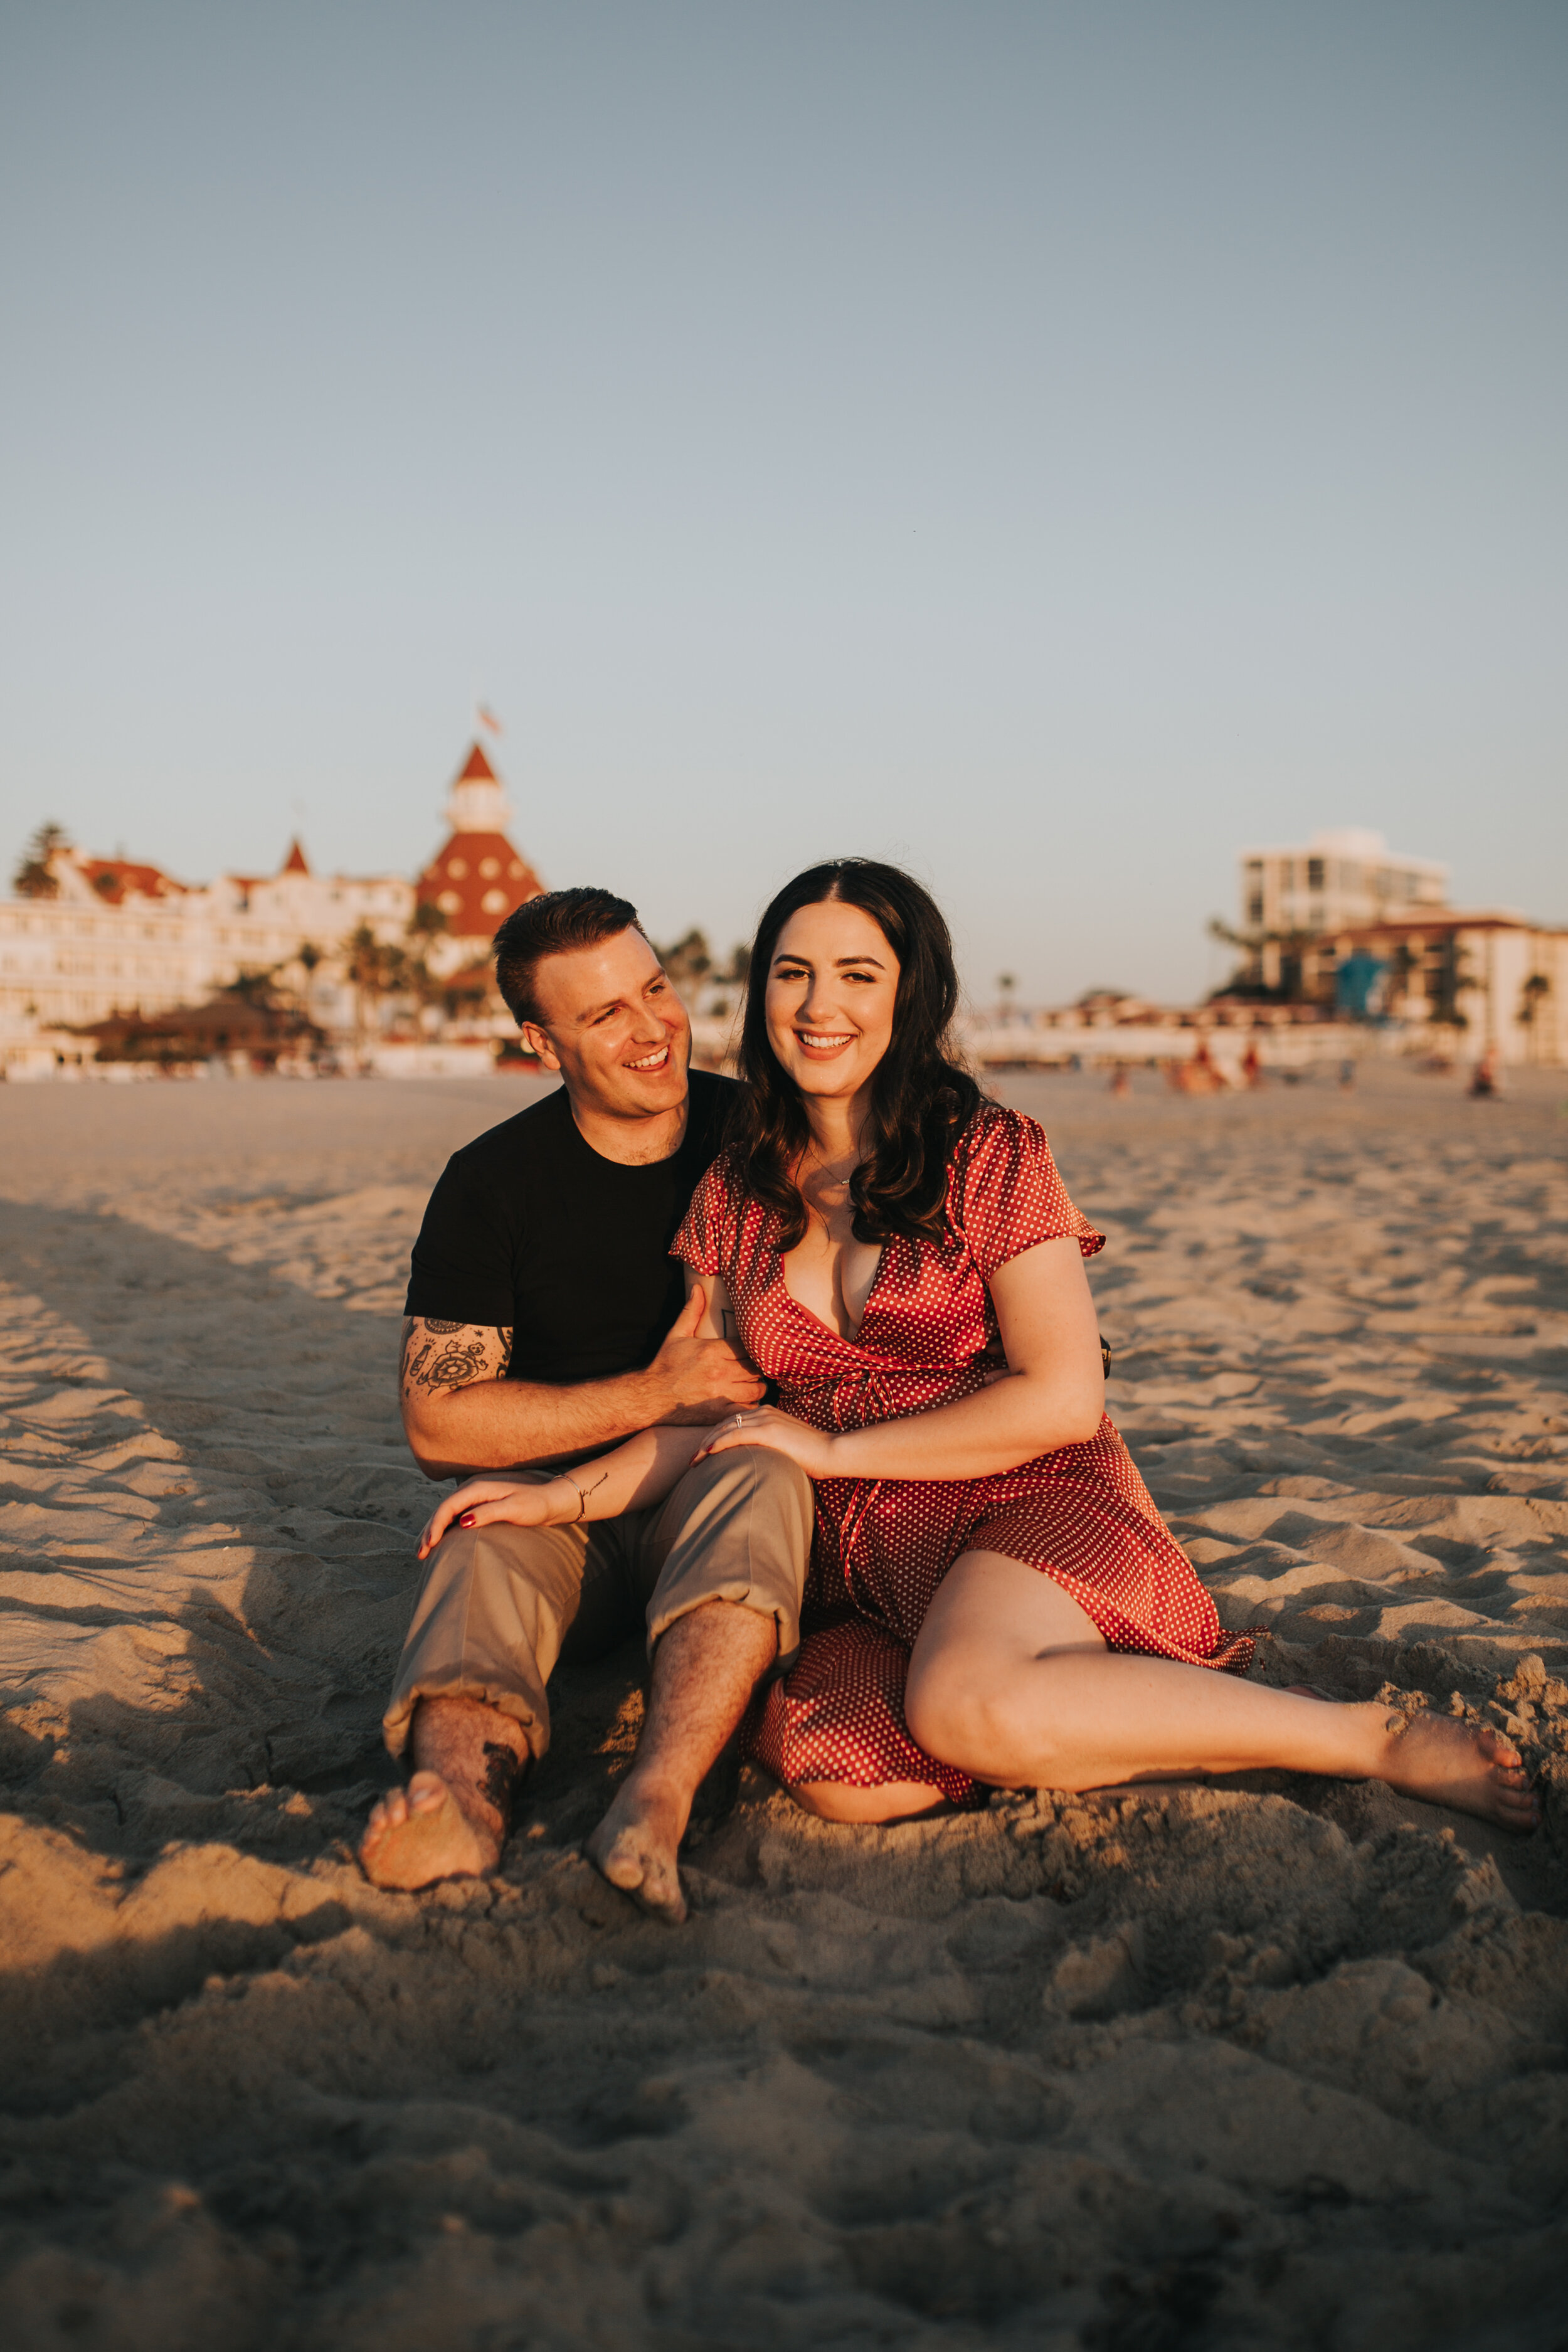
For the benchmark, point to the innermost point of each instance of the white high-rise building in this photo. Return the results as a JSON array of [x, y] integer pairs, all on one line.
[[1340, 877]]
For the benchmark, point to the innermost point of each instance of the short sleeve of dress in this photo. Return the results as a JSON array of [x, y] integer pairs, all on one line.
[[1008, 1196], [705, 1242]]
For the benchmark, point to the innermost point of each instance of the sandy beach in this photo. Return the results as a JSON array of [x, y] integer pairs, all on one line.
[[1267, 2063]]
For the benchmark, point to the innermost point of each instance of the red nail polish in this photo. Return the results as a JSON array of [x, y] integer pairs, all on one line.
[[467, 1520]]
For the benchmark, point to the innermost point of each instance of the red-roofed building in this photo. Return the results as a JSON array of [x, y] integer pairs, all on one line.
[[114, 936], [477, 878], [115, 879], [322, 907]]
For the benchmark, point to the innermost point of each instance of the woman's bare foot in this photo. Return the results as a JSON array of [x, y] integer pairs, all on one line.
[[635, 1845], [1470, 1767], [419, 1834]]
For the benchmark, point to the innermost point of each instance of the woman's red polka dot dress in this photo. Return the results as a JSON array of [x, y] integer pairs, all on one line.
[[929, 1336]]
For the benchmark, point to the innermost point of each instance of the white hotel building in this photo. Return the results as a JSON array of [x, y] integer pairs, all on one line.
[[117, 937]]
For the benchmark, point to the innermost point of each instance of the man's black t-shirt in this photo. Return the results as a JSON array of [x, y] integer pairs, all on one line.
[[534, 1231]]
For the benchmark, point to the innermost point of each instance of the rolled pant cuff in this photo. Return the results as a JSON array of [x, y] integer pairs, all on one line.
[[500, 1604], [397, 1723], [737, 1527], [786, 1627]]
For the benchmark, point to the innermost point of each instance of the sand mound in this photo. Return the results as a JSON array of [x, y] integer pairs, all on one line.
[[1277, 2063]]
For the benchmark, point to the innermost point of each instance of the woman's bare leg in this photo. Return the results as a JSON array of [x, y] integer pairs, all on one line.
[[1010, 1681], [840, 1801]]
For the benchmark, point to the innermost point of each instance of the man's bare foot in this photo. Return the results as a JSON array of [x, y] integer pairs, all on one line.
[[635, 1845], [451, 1822], [705, 1667], [1473, 1768], [419, 1834]]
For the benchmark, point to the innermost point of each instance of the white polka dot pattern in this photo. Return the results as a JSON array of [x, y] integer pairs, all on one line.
[[929, 1336]]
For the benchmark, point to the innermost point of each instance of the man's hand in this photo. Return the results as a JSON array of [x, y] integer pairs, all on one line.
[[703, 1378], [462, 1414]]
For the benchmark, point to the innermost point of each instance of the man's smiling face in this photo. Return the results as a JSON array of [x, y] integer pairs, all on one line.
[[613, 1027]]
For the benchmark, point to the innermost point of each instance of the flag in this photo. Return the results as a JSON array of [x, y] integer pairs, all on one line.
[[488, 718]]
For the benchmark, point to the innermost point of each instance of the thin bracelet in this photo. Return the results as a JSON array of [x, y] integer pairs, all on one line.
[[584, 1493]]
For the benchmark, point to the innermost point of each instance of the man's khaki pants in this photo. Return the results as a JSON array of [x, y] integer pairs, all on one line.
[[500, 1605]]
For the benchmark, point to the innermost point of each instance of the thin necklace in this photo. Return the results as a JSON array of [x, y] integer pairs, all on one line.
[[813, 1153], [812, 1210]]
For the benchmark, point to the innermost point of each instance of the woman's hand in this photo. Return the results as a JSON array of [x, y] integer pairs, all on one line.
[[781, 1433], [526, 1503]]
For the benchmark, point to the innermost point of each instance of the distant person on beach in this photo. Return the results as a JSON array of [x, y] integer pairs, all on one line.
[[1197, 1075], [546, 1320], [1486, 1078], [994, 1600]]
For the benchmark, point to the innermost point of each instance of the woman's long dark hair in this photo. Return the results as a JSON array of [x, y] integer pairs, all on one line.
[[922, 1096]]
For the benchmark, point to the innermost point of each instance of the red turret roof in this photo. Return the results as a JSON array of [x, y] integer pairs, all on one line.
[[477, 879], [296, 862], [478, 770]]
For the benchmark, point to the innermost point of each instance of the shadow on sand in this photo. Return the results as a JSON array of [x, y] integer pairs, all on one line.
[[210, 1498]]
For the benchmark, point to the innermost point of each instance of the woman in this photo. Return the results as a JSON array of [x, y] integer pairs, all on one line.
[[993, 1599]]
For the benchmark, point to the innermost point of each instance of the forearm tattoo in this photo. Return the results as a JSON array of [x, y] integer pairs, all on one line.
[[452, 1355]]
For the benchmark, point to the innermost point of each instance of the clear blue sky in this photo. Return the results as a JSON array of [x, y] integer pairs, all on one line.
[[1053, 445]]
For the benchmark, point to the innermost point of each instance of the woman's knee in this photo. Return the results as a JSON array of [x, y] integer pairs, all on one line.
[[977, 1716], [949, 1705]]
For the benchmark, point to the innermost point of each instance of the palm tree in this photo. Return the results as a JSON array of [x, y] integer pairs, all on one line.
[[732, 975], [254, 986], [1449, 982], [426, 924], [373, 968], [1531, 997], [34, 876], [1403, 963], [1249, 981], [687, 965]]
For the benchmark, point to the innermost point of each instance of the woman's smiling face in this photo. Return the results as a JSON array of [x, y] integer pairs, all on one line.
[[831, 991]]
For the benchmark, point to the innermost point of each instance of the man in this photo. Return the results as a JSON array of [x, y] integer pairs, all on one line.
[[544, 1324]]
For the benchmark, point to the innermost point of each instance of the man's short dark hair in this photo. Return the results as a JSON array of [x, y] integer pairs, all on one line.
[[554, 923]]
